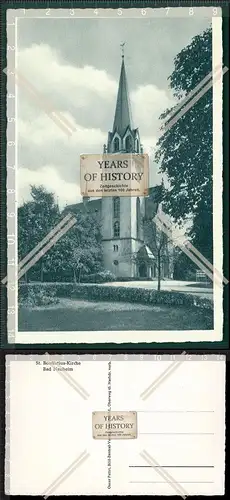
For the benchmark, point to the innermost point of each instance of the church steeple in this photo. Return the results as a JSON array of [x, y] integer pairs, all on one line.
[[123, 138], [122, 118]]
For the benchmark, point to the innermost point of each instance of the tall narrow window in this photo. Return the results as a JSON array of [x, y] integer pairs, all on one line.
[[116, 217], [116, 145], [136, 146], [116, 229], [116, 208], [138, 218], [128, 144]]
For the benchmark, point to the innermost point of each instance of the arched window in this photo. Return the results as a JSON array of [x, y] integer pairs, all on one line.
[[116, 144], [116, 229], [116, 208], [116, 217], [138, 218], [128, 144], [136, 146]]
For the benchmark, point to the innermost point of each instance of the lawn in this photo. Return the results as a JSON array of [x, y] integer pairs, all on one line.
[[82, 315]]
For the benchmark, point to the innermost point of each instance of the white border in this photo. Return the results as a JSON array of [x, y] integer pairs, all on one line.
[[87, 337], [98, 397], [16, 177]]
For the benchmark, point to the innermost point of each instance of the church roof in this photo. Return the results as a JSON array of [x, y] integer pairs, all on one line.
[[91, 206], [94, 205], [144, 253], [123, 118]]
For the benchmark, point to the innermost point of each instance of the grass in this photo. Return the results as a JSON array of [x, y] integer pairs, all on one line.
[[81, 315]]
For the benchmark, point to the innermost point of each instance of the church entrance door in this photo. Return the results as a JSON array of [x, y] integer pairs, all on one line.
[[143, 270]]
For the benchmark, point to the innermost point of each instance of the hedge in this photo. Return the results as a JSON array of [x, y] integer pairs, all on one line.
[[116, 293], [38, 296], [100, 277]]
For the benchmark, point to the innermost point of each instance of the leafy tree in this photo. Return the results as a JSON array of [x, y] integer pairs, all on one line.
[[156, 238], [82, 243], [184, 152], [36, 218], [184, 267], [75, 253], [158, 244]]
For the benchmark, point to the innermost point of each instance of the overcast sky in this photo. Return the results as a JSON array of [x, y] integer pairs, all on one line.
[[75, 65]]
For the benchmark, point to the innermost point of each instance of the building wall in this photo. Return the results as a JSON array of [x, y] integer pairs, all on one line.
[[122, 249], [125, 248], [117, 257]]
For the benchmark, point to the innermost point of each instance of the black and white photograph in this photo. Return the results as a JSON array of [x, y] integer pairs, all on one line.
[[112, 82]]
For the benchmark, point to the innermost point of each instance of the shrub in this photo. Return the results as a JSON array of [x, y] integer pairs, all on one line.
[[37, 296], [100, 277], [51, 291]]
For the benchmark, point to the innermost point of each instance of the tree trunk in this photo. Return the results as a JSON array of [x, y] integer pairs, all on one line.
[[42, 273], [79, 277], [74, 276], [158, 270]]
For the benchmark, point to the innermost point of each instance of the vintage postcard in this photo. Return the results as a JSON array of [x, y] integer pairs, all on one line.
[[114, 175], [115, 425]]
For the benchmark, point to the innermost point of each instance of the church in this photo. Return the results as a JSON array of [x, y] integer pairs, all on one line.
[[128, 233]]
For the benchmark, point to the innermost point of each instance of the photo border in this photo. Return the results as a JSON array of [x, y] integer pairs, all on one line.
[[225, 31], [111, 359]]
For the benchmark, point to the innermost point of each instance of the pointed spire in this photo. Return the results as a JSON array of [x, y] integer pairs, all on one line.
[[122, 117]]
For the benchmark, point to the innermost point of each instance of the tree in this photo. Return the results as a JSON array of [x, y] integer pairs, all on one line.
[[77, 251], [157, 241], [156, 238], [184, 267], [36, 218], [184, 152], [83, 241]]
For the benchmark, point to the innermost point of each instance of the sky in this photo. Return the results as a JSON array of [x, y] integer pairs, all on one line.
[[74, 64]]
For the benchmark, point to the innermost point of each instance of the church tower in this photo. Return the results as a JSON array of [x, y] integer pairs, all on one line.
[[122, 227], [124, 138]]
